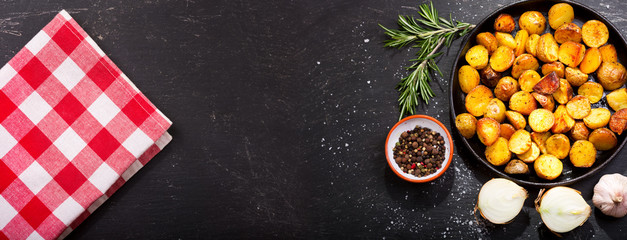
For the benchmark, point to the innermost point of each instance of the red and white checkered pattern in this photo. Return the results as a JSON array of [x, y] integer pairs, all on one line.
[[73, 129]]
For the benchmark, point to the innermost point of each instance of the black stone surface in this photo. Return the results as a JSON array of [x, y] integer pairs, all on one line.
[[280, 111]]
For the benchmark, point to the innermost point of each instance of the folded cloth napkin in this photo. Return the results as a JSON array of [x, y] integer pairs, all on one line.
[[73, 129]]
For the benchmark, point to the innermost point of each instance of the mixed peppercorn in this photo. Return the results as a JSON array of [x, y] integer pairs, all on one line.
[[420, 151]]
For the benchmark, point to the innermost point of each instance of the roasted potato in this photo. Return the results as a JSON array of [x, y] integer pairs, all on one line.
[[548, 84], [617, 99], [579, 131], [495, 110], [564, 93], [532, 43], [618, 121], [489, 77], [516, 119], [507, 130], [498, 153], [548, 167], [582, 154], [477, 100], [504, 23], [556, 67], [468, 78], [558, 145], [594, 33], [540, 140], [547, 50], [578, 107], [520, 142], [533, 22], [598, 118], [466, 124], [568, 32], [546, 101], [488, 131], [528, 79], [541, 120], [477, 57], [563, 121], [531, 155], [608, 53], [516, 166], [505, 88], [521, 40], [571, 53], [502, 59], [487, 40], [559, 14], [522, 102], [593, 91], [591, 60], [603, 139], [575, 77], [505, 39], [611, 75], [523, 63]]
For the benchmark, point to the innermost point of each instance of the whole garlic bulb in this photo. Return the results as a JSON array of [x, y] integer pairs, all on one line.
[[610, 195]]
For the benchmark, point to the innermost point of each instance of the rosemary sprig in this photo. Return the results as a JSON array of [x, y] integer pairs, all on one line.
[[428, 34]]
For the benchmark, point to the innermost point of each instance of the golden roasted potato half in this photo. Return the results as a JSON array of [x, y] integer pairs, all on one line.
[[611, 75], [520, 142], [598, 118], [487, 40], [531, 155], [591, 61], [489, 77], [560, 14], [603, 139], [516, 119], [541, 120], [495, 110], [540, 140], [593, 91], [505, 39], [568, 32], [563, 121], [548, 167], [528, 79], [546, 101], [547, 50], [477, 57], [582, 154], [564, 93], [498, 153], [521, 40], [532, 43], [617, 99], [523, 63], [522, 102], [558, 145], [578, 107], [477, 100], [608, 53], [507, 130], [516, 166], [505, 88], [466, 124], [468, 78], [556, 67], [579, 131], [548, 84], [488, 131], [594, 33], [502, 59], [504, 23], [618, 121], [533, 22], [575, 77], [571, 53]]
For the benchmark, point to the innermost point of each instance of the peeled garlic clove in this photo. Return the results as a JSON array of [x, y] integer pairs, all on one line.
[[609, 195], [500, 200], [562, 209]]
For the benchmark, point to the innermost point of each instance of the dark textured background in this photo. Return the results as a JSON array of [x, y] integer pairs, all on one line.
[[280, 111]]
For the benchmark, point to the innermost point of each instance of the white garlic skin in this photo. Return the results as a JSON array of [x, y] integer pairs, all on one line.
[[610, 195]]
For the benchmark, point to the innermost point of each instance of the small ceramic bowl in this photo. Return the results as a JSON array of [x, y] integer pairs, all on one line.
[[409, 123]]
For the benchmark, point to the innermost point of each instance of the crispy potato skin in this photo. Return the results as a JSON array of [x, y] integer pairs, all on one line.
[[520, 142], [548, 49], [488, 131], [575, 77], [564, 93], [505, 88], [507, 130], [516, 166], [523, 63], [556, 67], [495, 110], [505, 39], [578, 107], [466, 124], [477, 100], [521, 41], [593, 91], [504, 23], [558, 145], [548, 84], [498, 153], [598, 118], [502, 59], [468, 78], [548, 167], [560, 14], [568, 32], [582, 154], [528, 79], [608, 53], [487, 40], [532, 43], [546, 101], [611, 75], [618, 121], [516, 119], [579, 131], [522, 102], [591, 60], [489, 77], [477, 57], [541, 120], [533, 22], [571, 53], [603, 139], [594, 33]]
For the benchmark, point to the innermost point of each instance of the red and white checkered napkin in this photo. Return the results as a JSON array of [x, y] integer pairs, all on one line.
[[73, 129]]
